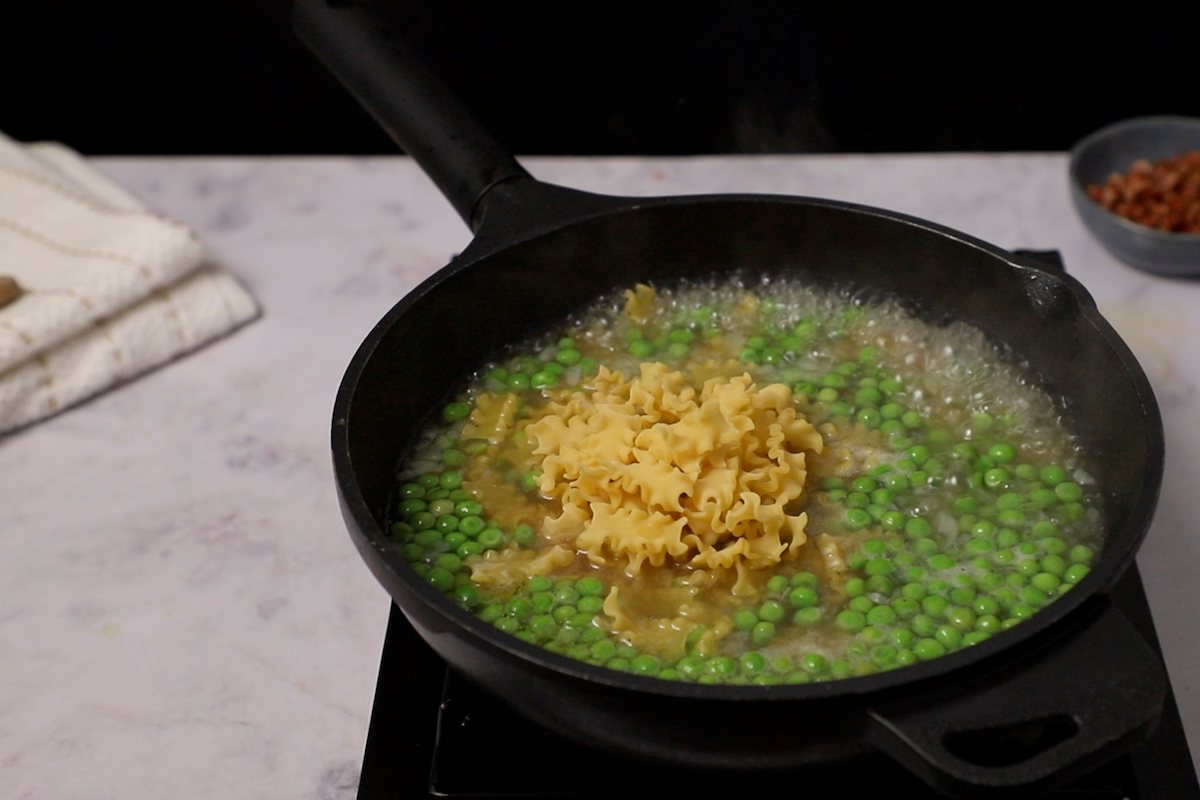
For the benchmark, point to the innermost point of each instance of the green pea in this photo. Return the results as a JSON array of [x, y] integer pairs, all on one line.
[[692, 666], [448, 561], [441, 508], [1046, 582], [961, 617], [568, 356], [805, 579], [1002, 453], [1007, 537], [467, 595], [441, 578], [468, 508], [542, 626], [966, 505], [1054, 564], [413, 491], [1075, 573], [826, 394], [1026, 472], [850, 620], [541, 602], [869, 417], [1068, 492], [1042, 498], [529, 480], [645, 665], [868, 396], [948, 636], [803, 597], [1081, 554], [941, 561], [986, 604], [878, 566], [640, 348], [861, 604], [923, 625], [881, 615], [523, 535], [471, 526], [979, 546], [1011, 517], [566, 594], [1010, 500], [1034, 596], [881, 584], [1052, 545], [491, 539], [778, 584], [744, 620], [456, 412], [753, 662], [927, 649], [590, 605], [917, 527], [814, 663], [1052, 475], [935, 605], [539, 583], [996, 478], [762, 632], [771, 611], [807, 617], [428, 537], [925, 547]]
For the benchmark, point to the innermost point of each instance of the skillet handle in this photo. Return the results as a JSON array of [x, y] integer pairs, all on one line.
[[357, 44], [1016, 731]]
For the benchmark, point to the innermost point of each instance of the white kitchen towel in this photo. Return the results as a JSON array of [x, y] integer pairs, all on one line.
[[110, 289]]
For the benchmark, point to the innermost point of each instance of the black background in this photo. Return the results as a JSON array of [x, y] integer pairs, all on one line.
[[228, 76]]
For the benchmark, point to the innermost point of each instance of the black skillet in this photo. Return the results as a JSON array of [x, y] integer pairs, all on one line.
[[1031, 707]]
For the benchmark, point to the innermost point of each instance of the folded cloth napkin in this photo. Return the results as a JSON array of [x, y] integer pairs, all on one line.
[[99, 289]]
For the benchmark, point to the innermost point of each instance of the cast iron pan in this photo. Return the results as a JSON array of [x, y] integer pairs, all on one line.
[[1033, 706]]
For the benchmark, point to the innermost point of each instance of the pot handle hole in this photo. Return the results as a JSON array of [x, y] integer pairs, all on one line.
[[1022, 725]]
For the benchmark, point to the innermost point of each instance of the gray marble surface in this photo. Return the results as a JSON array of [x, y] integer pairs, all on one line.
[[181, 611]]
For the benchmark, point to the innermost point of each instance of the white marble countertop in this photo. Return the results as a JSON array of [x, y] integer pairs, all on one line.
[[182, 613]]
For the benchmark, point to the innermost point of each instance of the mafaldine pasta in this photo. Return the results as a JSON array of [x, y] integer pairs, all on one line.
[[749, 482], [650, 470]]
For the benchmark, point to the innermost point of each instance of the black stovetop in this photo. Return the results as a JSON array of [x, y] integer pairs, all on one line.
[[433, 734]]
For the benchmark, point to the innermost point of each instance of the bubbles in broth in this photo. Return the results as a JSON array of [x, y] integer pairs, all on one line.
[[749, 483]]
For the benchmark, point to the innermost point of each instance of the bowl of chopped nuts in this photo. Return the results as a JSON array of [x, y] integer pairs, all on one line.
[[1136, 186]]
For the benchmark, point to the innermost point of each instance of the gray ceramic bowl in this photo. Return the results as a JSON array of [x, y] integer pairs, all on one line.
[[1114, 149]]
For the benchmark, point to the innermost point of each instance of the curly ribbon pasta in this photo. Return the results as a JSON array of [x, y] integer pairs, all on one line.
[[649, 470]]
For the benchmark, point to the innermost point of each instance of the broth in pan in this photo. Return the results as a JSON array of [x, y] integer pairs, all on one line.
[[749, 482]]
